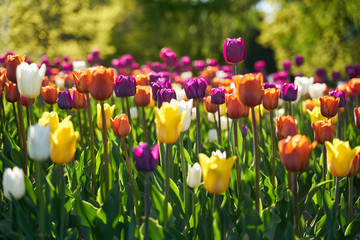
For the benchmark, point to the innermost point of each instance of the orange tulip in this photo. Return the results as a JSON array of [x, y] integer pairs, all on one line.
[[142, 96], [209, 106], [121, 125], [12, 61], [11, 92], [323, 131], [354, 85], [329, 106], [286, 126], [142, 80], [79, 99], [235, 108], [308, 104], [295, 151], [25, 101], [355, 166], [101, 85], [357, 117], [249, 88], [82, 80], [271, 98], [49, 94]]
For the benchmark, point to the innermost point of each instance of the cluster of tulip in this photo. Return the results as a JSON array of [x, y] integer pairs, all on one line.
[[171, 101]]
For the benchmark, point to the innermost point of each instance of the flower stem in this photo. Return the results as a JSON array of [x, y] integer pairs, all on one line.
[[324, 163], [147, 205], [81, 132], [167, 182], [145, 138], [272, 147], [183, 169], [85, 132], [17, 125], [237, 166], [290, 110], [131, 138], [194, 214], [336, 201], [256, 159], [106, 160], [338, 124], [62, 200], [22, 128], [132, 184], [93, 163], [198, 132], [40, 198], [296, 207], [219, 131], [350, 206], [32, 119]]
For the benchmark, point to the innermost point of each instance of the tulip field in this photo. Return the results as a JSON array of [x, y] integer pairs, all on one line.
[[177, 149]]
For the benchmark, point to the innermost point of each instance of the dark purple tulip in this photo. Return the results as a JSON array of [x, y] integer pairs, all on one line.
[[199, 64], [299, 60], [65, 100], [260, 66], [218, 95], [244, 131], [126, 60], [234, 50], [336, 75], [146, 159], [289, 92], [339, 94], [155, 88], [170, 58], [165, 95], [195, 88], [165, 82], [155, 76], [125, 86], [185, 61], [320, 72], [287, 65], [90, 58], [66, 58], [163, 51], [95, 52], [350, 71], [269, 85], [357, 69]]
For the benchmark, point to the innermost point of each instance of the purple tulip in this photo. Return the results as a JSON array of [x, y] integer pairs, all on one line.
[[218, 96], [65, 100], [211, 62], [170, 58], [199, 64], [161, 83], [357, 69], [289, 92], [195, 88], [260, 66], [226, 69], [146, 160], [125, 86], [350, 71], [234, 50], [165, 95], [269, 85], [299, 60], [336, 75], [163, 51], [95, 52], [185, 61], [321, 72], [244, 131], [126, 60], [115, 63], [287, 65], [339, 94]]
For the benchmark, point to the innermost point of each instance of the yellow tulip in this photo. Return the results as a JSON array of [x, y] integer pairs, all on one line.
[[168, 122], [315, 115], [216, 171], [51, 119], [257, 116], [109, 111], [340, 157], [63, 142]]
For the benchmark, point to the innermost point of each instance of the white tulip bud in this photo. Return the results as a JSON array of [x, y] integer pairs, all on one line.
[[305, 83], [13, 183], [316, 90], [134, 113], [78, 65], [193, 114], [184, 106], [218, 153], [29, 79], [39, 142], [194, 176], [211, 117], [213, 135]]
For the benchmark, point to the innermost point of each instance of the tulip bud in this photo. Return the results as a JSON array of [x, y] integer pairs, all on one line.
[[234, 50], [289, 92], [299, 60], [244, 131], [270, 99], [212, 136], [165, 95], [142, 96], [79, 99], [125, 86], [329, 106], [336, 76], [109, 111], [316, 90], [340, 95], [121, 125], [65, 100], [217, 96], [12, 61], [194, 175], [285, 126], [29, 79], [249, 88], [101, 86], [260, 66], [357, 117], [235, 108], [134, 113], [13, 183], [195, 88], [11, 92], [186, 107], [209, 106], [39, 142], [50, 94], [287, 65], [145, 159], [25, 101], [323, 131]]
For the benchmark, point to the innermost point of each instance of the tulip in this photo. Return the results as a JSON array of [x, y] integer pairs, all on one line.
[[212, 135], [260, 66], [315, 115], [125, 86], [51, 119], [287, 65], [270, 99], [329, 106], [244, 131], [339, 94], [65, 100], [146, 160], [142, 97], [295, 151], [11, 92], [12, 61], [168, 122], [121, 125], [79, 99], [216, 171], [354, 85], [109, 111], [165, 95], [63, 142], [39, 142], [101, 86], [305, 83], [195, 88], [357, 117], [184, 106], [217, 96], [355, 167], [235, 108], [286, 126], [29, 79], [289, 92], [299, 60], [50, 94], [25, 101], [249, 88], [269, 85], [308, 104], [209, 106], [323, 131], [194, 175], [234, 50], [13, 183], [142, 80], [134, 112], [82, 80], [340, 157], [316, 90]]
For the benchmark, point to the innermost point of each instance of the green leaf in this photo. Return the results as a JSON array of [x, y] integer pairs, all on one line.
[[159, 200], [353, 229]]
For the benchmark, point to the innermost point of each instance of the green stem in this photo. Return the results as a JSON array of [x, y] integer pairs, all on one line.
[[350, 206], [93, 163], [62, 200], [147, 205], [219, 131], [167, 182], [183, 169], [290, 110], [40, 198], [81, 132], [338, 124], [198, 132], [84, 130], [132, 184], [256, 159], [145, 138], [17, 124], [336, 201], [106, 159], [32, 119], [324, 163], [131, 138], [237, 166], [213, 213], [194, 214], [272, 147], [23, 136], [296, 206]]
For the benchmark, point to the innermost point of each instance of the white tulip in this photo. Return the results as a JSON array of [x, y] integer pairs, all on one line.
[[305, 83], [317, 90], [78, 65], [13, 183], [194, 175], [184, 106], [219, 154], [29, 79], [298, 96], [193, 114], [213, 135], [180, 93], [211, 117], [224, 122], [39, 142], [134, 113], [280, 112]]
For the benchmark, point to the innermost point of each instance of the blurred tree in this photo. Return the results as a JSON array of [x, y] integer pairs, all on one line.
[[325, 32]]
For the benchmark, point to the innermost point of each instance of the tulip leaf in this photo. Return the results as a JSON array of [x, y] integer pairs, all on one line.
[[352, 229], [159, 200], [85, 211], [314, 189], [175, 195]]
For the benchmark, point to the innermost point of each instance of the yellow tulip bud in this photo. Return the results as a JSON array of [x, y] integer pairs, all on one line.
[[51, 119], [315, 115], [109, 111]]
